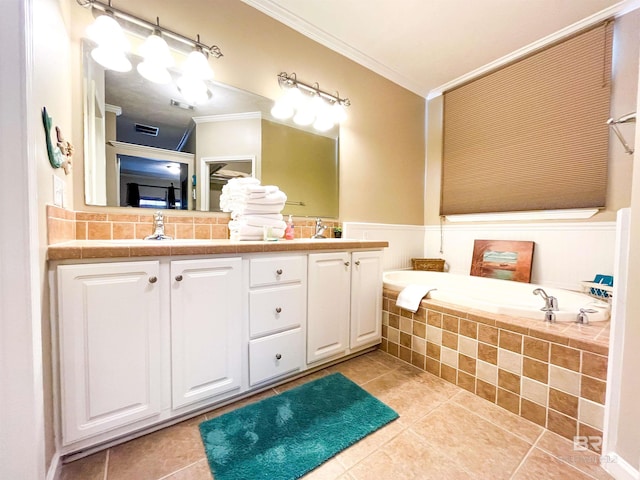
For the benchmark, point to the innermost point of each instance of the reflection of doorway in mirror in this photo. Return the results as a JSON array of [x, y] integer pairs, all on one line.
[[152, 183], [215, 172]]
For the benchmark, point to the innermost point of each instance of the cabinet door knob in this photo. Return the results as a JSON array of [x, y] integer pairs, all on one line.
[[278, 309], [279, 271], [358, 262], [346, 264], [278, 356], [178, 278], [153, 279]]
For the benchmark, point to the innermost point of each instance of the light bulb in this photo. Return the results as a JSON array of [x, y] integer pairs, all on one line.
[[196, 65], [324, 118], [112, 44], [305, 114], [339, 113], [193, 89], [157, 58], [111, 58], [282, 109]]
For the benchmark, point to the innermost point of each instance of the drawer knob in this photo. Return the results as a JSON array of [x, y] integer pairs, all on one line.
[[178, 278], [153, 279], [278, 309], [279, 271], [358, 262], [278, 356], [346, 264]]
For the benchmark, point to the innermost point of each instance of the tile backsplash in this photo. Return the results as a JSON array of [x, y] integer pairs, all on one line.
[[66, 225]]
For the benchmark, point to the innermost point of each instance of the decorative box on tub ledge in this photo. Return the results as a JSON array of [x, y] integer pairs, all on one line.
[[429, 264]]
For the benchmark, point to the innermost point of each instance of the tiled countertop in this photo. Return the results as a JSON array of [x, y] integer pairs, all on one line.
[[81, 249]]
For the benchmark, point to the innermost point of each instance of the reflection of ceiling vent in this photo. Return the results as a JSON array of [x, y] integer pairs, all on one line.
[[147, 129], [179, 104]]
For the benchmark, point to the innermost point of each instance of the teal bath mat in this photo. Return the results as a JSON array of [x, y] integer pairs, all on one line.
[[288, 435]]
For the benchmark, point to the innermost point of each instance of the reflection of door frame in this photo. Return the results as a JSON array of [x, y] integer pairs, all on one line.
[[203, 174]]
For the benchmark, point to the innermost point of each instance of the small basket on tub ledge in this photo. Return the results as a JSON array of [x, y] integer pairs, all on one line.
[[601, 287], [428, 264]]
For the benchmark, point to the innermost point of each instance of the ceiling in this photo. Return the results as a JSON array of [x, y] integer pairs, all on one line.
[[425, 44]]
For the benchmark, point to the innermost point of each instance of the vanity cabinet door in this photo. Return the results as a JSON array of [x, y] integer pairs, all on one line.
[[206, 329], [366, 298], [110, 346], [328, 305]]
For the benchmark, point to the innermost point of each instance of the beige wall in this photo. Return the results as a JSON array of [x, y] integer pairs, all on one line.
[[623, 99], [381, 143], [51, 88]]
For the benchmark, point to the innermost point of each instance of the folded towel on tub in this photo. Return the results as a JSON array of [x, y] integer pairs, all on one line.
[[411, 296]]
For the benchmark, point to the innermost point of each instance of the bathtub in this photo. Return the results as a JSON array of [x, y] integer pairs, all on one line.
[[498, 296]]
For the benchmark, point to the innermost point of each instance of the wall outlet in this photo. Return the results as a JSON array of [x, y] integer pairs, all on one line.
[[58, 191]]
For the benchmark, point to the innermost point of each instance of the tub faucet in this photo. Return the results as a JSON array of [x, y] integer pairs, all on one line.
[[320, 228], [158, 228], [550, 305]]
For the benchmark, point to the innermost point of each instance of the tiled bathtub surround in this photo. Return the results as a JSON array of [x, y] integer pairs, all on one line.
[[553, 375], [65, 225]]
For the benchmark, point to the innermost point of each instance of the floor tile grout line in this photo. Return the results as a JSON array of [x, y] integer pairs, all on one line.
[[106, 464], [182, 468], [499, 426], [526, 456]]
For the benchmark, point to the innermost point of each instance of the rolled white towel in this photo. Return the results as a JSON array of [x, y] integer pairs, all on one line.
[[411, 296], [269, 199], [260, 209], [262, 220], [250, 230]]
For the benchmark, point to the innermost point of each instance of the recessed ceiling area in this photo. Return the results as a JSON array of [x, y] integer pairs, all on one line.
[[424, 44]]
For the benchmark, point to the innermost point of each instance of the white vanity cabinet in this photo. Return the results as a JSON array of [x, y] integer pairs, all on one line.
[[110, 346], [147, 341], [206, 329], [277, 314], [345, 303]]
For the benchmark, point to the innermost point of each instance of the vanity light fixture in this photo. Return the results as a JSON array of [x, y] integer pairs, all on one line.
[[112, 45], [307, 104]]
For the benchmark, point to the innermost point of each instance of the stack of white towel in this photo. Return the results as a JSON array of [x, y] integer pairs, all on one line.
[[253, 207]]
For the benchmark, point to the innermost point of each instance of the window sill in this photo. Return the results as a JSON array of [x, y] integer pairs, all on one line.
[[572, 214]]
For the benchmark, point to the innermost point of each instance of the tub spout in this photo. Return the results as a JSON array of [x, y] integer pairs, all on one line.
[[550, 305]]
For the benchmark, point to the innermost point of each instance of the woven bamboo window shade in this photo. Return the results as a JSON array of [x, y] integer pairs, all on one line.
[[532, 135]]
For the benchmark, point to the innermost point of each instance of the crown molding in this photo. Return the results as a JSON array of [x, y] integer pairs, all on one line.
[[284, 16]]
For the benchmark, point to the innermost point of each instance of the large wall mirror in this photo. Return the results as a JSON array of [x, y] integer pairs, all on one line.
[[146, 147]]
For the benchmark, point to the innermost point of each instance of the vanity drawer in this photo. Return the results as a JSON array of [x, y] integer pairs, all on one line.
[[273, 309], [277, 270], [275, 355]]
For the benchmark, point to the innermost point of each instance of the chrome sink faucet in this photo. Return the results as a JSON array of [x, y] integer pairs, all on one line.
[[158, 228], [320, 228], [550, 305]]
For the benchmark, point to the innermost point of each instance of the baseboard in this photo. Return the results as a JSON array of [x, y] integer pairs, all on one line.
[[618, 468], [54, 468]]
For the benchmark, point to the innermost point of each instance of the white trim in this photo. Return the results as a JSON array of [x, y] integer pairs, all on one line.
[[113, 109], [314, 33], [203, 175], [123, 148], [614, 11], [619, 468], [583, 226], [228, 117], [532, 215], [616, 342], [22, 441]]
